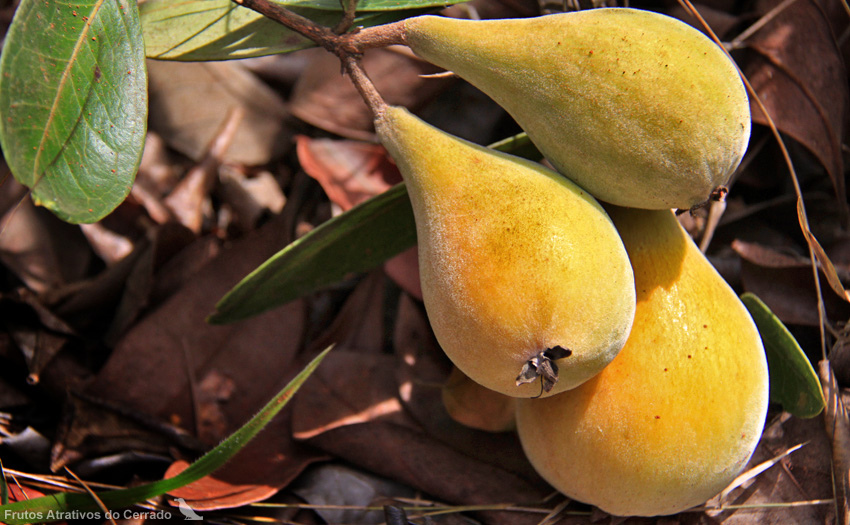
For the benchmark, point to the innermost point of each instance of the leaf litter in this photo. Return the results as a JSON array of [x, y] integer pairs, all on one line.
[[151, 384]]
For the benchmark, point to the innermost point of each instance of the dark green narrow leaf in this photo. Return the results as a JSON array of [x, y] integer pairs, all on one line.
[[52, 508], [793, 381], [354, 241], [73, 97], [4, 488]]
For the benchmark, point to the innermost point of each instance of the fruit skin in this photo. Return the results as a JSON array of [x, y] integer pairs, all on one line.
[[513, 259], [677, 415], [475, 406], [637, 108]]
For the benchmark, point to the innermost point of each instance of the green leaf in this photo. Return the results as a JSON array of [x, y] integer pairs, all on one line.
[[46, 508], [73, 93], [220, 29], [793, 381], [355, 241], [371, 5]]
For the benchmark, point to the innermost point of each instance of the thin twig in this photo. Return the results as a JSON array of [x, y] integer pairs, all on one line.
[[304, 26], [353, 43], [363, 85], [93, 495], [349, 10]]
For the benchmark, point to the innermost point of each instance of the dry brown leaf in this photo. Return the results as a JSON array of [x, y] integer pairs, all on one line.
[[786, 285], [190, 100], [36, 331], [271, 461], [326, 99], [350, 388], [798, 72], [422, 370], [94, 428], [148, 368], [474, 406], [800, 480], [189, 200], [249, 197], [350, 409], [165, 241], [359, 325], [38, 248], [404, 270], [157, 365], [18, 493], [350, 172]]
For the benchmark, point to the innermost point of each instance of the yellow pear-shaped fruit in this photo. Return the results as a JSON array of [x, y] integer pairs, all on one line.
[[520, 268], [638, 108], [677, 415]]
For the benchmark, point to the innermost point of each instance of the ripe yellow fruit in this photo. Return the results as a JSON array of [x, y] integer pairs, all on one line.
[[522, 271], [677, 415], [636, 107]]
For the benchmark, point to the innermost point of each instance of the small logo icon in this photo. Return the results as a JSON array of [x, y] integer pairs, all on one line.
[[186, 510]]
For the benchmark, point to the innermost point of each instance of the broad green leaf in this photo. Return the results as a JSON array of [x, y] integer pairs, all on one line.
[[370, 5], [73, 95], [46, 508], [355, 241], [793, 381], [220, 29]]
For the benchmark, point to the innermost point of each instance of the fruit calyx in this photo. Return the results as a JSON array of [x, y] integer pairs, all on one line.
[[543, 365], [718, 194]]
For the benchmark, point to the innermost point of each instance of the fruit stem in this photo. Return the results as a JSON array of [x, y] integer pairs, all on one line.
[[348, 47], [364, 86], [352, 43]]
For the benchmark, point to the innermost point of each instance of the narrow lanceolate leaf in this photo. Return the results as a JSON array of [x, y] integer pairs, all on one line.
[[793, 381], [359, 239], [220, 29], [58, 506], [73, 99]]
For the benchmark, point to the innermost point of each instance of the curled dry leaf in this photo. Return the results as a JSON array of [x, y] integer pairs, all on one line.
[[798, 72], [350, 172], [189, 200]]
